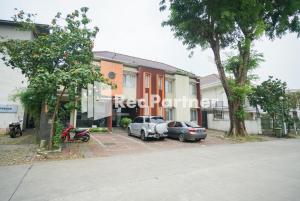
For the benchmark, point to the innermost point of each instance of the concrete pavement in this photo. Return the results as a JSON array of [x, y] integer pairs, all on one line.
[[234, 172]]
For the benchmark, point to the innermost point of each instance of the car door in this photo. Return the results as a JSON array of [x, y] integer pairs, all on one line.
[[134, 126], [177, 129], [171, 129], [139, 125]]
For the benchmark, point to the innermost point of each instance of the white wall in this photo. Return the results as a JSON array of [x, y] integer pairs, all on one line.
[[213, 93], [252, 126], [170, 95], [129, 92], [181, 89], [11, 80]]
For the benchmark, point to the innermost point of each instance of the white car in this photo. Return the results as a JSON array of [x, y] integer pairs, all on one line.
[[148, 127]]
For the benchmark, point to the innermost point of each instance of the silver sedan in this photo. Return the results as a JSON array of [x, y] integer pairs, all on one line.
[[184, 130]]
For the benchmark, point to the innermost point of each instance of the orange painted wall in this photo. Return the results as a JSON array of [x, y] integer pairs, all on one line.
[[117, 68]]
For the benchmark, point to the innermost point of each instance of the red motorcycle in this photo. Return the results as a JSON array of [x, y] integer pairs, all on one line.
[[72, 134]]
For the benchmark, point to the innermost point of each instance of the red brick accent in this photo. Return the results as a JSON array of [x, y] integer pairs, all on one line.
[[154, 89], [199, 112]]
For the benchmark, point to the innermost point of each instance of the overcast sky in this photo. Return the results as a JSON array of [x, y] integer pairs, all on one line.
[[134, 28]]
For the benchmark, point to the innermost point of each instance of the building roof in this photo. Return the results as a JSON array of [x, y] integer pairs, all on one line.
[[139, 62], [209, 80], [41, 28], [292, 90]]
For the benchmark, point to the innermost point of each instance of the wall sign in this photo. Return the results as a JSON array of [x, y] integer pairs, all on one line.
[[8, 108]]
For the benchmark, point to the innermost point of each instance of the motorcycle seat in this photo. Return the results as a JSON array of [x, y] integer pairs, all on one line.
[[78, 130]]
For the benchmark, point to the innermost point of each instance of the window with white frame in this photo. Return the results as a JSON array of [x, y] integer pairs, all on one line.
[[160, 82], [169, 86], [194, 116], [169, 114], [160, 111], [147, 80], [147, 110], [193, 89], [146, 106], [129, 80], [218, 114]]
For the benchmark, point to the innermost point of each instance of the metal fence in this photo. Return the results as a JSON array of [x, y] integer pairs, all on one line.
[[267, 125]]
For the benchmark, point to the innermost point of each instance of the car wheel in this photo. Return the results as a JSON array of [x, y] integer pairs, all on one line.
[[129, 132], [197, 140], [12, 134], [143, 136], [181, 138]]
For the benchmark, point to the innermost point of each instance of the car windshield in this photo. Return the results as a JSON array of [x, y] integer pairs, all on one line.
[[157, 120], [191, 124]]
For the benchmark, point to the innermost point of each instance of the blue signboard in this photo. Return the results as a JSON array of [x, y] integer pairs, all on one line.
[[8, 108]]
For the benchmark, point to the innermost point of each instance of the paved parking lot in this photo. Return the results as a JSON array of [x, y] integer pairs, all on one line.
[[119, 143], [22, 149], [123, 142]]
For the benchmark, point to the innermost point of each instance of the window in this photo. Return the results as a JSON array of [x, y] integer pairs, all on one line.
[[146, 110], [169, 114], [147, 80], [129, 80], [218, 114], [194, 116], [178, 124], [171, 124], [157, 120], [146, 106], [160, 111], [193, 90], [169, 86], [160, 82], [147, 120], [249, 116], [138, 120], [192, 125]]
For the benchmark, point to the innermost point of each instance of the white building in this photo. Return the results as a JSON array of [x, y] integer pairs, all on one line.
[[215, 107], [11, 80]]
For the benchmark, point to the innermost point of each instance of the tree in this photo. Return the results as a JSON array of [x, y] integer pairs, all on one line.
[[270, 96], [294, 99], [240, 92], [55, 63], [232, 24]]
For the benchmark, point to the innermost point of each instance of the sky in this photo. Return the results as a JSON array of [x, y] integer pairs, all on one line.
[[134, 28]]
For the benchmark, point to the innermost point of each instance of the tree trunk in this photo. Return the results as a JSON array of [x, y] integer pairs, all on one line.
[[44, 128], [237, 126], [54, 115], [237, 123], [231, 118]]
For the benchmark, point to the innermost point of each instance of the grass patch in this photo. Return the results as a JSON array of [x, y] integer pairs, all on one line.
[[292, 135], [249, 138], [99, 130]]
